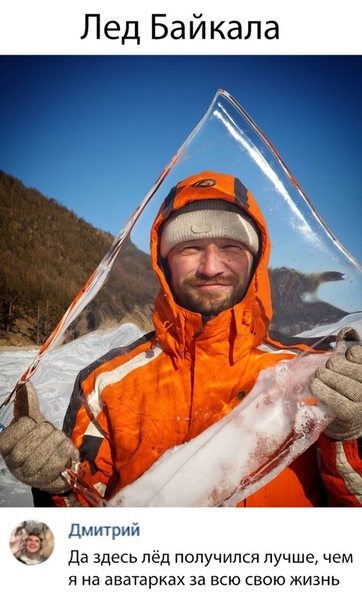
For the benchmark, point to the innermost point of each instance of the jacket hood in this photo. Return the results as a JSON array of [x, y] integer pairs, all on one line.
[[245, 325]]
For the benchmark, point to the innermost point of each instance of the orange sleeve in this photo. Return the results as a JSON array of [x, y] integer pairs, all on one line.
[[88, 428]]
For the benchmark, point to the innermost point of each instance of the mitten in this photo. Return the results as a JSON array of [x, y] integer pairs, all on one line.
[[34, 450], [339, 386]]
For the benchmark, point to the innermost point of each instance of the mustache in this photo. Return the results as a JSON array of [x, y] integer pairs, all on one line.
[[204, 280]]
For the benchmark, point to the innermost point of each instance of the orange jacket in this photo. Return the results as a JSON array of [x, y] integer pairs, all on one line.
[[135, 403]]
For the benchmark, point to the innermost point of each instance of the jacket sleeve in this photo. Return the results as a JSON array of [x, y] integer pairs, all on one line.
[[341, 470], [87, 426]]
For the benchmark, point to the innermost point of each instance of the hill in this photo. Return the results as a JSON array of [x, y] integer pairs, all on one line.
[[47, 254]]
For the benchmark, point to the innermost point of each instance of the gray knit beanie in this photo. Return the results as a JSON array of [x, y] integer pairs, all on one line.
[[208, 219]]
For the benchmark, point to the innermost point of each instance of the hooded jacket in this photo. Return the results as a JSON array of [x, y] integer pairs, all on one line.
[[137, 402]]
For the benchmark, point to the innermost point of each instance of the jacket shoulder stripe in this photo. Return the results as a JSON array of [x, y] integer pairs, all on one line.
[[274, 350], [78, 394], [104, 379], [113, 354]]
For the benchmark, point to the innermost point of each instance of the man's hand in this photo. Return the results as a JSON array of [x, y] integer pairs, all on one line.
[[339, 386], [33, 449]]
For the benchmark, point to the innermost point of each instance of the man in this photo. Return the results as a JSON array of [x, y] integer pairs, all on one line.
[[210, 250]]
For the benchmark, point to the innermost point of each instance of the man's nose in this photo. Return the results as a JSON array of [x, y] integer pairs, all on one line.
[[211, 262]]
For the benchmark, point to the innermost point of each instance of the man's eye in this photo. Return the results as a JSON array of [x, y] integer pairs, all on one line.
[[231, 248], [191, 248]]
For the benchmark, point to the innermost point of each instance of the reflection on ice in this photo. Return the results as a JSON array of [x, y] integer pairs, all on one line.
[[354, 320], [299, 220]]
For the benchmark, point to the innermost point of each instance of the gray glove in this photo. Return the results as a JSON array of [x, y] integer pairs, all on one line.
[[33, 449], [339, 386]]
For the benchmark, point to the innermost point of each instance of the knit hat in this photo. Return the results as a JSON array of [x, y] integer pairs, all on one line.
[[208, 219]]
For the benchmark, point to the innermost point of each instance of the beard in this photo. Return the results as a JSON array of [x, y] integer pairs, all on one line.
[[210, 303]]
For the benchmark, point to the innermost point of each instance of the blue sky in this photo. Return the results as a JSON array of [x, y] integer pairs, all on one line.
[[94, 131]]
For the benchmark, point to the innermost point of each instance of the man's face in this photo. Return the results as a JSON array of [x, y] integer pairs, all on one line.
[[209, 275]]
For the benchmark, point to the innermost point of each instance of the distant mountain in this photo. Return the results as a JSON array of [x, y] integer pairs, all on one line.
[[47, 254]]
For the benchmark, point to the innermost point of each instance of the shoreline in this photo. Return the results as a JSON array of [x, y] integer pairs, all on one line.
[[17, 348]]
